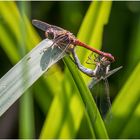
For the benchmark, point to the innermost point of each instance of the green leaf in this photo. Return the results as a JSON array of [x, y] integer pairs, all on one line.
[[26, 119], [124, 106], [27, 70], [96, 121], [96, 18], [67, 99], [66, 124], [16, 36], [91, 30], [133, 122]]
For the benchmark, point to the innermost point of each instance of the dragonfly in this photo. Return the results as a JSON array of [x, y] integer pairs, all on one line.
[[61, 36], [101, 72]]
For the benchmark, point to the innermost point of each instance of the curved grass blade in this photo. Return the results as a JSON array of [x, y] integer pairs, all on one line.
[[54, 126], [14, 35], [11, 18], [26, 107], [133, 122], [14, 83], [26, 116], [124, 105], [96, 122], [97, 16]]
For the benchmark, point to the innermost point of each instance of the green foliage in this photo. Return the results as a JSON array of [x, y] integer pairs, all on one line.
[[125, 108], [66, 131], [62, 98]]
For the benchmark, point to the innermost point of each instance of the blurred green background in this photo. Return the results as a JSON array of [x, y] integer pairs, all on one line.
[[120, 37]]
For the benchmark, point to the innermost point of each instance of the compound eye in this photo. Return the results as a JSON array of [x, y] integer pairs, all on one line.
[[46, 34], [49, 34], [106, 63]]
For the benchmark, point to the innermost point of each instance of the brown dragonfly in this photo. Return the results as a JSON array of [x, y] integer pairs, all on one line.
[[61, 36]]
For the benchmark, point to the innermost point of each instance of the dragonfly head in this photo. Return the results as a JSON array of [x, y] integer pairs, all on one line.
[[102, 60], [50, 34], [102, 66], [105, 62]]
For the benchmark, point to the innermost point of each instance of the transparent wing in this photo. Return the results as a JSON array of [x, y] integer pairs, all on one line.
[[41, 25], [113, 71], [57, 51], [105, 103], [45, 26], [94, 80]]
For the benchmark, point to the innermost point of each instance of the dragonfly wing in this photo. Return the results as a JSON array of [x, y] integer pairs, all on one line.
[[57, 28], [41, 25], [94, 81], [107, 103], [44, 26], [113, 71]]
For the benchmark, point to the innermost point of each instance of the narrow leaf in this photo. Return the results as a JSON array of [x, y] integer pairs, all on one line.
[[124, 105], [15, 82]]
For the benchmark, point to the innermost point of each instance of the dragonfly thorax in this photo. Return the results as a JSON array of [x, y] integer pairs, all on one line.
[[102, 68]]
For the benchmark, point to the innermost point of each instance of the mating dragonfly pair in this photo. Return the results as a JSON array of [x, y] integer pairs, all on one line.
[[62, 37]]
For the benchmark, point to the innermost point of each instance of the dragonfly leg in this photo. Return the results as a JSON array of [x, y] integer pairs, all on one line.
[[66, 45], [94, 61], [89, 58], [56, 41]]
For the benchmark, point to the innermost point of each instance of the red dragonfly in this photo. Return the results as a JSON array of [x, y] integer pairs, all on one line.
[[59, 36]]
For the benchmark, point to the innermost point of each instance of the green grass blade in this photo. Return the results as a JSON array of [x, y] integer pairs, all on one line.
[[26, 112], [11, 87], [12, 41], [60, 122], [96, 18], [96, 121], [26, 119], [125, 104], [7, 41], [90, 20], [134, 50], [11, 21], [58, 129], [12, 38], [102, 10], [11, 46], [75, 109], [133, 122]]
